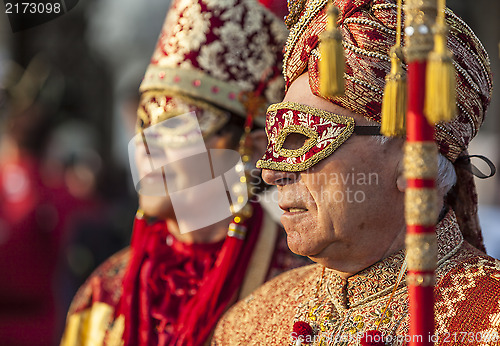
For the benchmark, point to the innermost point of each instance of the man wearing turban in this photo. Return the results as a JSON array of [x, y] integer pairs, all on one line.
[[218, 60], [342, 193]]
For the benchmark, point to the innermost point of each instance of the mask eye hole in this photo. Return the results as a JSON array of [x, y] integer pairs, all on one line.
[[294, 141]]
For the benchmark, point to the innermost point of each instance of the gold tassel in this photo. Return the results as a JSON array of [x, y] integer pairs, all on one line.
[[394, 101], [332, 62], [440, 76]]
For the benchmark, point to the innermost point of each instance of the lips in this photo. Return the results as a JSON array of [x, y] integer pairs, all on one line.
[[294, 209], [294, 215]]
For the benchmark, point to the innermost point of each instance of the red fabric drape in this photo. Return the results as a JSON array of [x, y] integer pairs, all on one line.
[[174, 294]]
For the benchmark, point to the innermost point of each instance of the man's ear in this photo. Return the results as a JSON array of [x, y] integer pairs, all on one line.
[[401, 183], [258, 142], [401, 180]]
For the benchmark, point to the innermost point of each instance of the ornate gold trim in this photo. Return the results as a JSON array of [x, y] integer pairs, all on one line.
[[88, 327], [365, 52], [419, 22], [420, 160], [423, 280], [312, 8], [294, 10], [140, 214], [369, 23], [237, 231], [308, 144], [194, 83], [115, 334], [421, 206], [421, 251], [220, 117]]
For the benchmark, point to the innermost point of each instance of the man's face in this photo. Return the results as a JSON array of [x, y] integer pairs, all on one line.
[[346, 211], [176, 176]]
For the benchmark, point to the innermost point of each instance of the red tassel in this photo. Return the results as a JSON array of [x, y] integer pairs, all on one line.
[[200, 315], [372, 338], [194, 318]]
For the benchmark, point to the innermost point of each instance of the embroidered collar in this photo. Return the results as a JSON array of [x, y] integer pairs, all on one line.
[[378, 279]]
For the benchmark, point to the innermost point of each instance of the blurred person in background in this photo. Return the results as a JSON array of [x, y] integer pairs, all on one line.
[[221, 61], [35, 206], [72, 157], [55, 227]]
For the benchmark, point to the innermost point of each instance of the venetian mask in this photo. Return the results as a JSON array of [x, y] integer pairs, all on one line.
[[316, 135]]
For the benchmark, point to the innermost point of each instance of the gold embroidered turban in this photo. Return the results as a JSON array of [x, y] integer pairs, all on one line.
[[368, 28]]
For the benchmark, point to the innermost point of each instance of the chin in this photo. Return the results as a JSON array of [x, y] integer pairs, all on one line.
[[296, 248], [299, 247], [155, 206], [330, 255], [324, 261]]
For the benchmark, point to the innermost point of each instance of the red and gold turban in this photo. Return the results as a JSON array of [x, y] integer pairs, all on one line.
[[368, 28]]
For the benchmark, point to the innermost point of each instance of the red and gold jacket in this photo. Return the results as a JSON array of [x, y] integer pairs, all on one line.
[[340, 312]]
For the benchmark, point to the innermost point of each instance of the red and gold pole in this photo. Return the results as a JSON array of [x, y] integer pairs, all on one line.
[[420, 164]]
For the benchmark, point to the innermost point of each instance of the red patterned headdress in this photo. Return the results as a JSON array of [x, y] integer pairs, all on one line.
[[215, 53], [369, 31]]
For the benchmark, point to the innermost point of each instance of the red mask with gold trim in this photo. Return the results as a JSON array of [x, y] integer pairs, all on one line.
[[323, 132]]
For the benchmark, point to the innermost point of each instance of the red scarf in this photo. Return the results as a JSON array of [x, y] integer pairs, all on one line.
[[175, 294]]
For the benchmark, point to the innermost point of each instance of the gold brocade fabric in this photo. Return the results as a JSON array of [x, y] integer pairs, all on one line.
[[91, 319], [467, 304]]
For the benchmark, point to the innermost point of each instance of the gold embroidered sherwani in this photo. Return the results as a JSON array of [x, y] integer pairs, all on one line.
[[467, 295]]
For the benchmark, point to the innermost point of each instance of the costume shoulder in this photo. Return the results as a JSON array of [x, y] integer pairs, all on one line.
[[90, 316], [266, 316], [104, 284], [468, 299]]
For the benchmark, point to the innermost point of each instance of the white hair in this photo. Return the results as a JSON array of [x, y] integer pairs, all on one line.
[[446, 175]]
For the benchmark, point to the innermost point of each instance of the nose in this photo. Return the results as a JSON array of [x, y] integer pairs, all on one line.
[[278, 178]]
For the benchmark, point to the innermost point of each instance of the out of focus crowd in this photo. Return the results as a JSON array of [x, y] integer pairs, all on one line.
[[66, 201]]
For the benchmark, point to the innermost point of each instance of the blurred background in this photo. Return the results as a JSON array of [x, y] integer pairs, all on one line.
[[68, 97]]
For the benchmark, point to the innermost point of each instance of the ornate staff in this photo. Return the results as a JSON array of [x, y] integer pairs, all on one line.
[[420, 163], [431, 87]]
